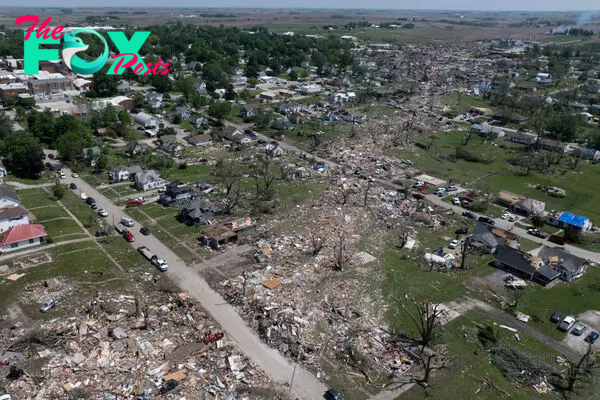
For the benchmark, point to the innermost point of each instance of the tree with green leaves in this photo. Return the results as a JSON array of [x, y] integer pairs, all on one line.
[[219, 110], [104, 85], [72, 143], [23, 154], [58, 190], [6, 125]]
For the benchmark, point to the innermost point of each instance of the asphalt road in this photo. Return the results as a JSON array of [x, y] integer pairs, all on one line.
[[305, 384]]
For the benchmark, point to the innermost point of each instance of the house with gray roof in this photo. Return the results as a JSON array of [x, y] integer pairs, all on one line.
[[145, 120], [569, 266], [149, 180], [121, 173], [525, 265], [199, 211], [489, 238], [8, 196]]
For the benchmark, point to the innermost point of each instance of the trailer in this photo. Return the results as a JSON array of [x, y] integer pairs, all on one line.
[[153, 258]]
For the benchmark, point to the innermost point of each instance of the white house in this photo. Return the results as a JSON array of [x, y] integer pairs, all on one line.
[[121, 173], [149, 180], [8, 196], [13, 216], [22, 236], [308, 89], [145, 120]]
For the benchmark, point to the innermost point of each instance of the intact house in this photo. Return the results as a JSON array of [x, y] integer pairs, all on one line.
[[91, 155], [22, 236], [489, 239], [235, 135], [121, 173], [569, 266], [199, 211], [176, 194], [218, 235], [525, 265], [136, 147], [13, 216], [200, 140], [2, 172], [8, 196], [587, 153], [169, 144], [149, 180], [522, 137], [145, 120], [489, 131], [182, 112], [518, 204], [568, 220], [554, 145]]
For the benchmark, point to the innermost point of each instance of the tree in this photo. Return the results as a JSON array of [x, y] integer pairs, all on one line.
[[262, 119], [577, 371], [58, 190], [9, 101], [264, 179], [227, 173], [341, 253], [230, 93], [104, 85], [465, 251], [6, 125], [573, 236], [162, 83], [72, 143], [232, 199], [125, 118], [219, 110], [23, 154], [293, 75], [253, 81], [427, 318], [102, 162], [110, 115]]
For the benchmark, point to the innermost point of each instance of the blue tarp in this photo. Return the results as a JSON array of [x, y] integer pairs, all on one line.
[[572, 219]]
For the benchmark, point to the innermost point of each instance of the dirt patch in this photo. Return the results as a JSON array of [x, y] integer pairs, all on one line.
[[55, 288], [32, 260]]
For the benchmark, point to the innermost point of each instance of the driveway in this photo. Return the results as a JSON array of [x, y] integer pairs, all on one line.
[[305, 386], [577, 343]]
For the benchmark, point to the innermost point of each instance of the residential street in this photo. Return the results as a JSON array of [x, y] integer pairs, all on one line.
[[305, 385]]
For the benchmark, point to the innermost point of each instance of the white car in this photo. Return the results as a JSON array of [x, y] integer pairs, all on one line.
[[83, 196], [61, 175], [127, 222], [505, 216], [75, 175], [566, 323], [455, 201], [103, 213], [513, 218], [454, 244]]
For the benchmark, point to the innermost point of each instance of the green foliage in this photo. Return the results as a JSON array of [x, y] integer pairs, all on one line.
[[23, 154], [104, 85], [6, 125], [293, 75], [253, 81], [538, 221], [219, 110], [9, 101], [517, 366], [58, 190], [72, 143], [49, 239], [162, 83], [462, 153], [487, 336]]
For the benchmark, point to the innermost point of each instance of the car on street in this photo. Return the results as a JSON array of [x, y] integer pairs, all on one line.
[[579, 328], [469, 214], [558, 240], [144, 231], [462, 231], [47, 305], [129, 236], [556, 316], [73, 186], [100, 233], [83, 196], [486, 220], [331, 394], [513, 218], [456, 201], [103, 213], [75, 175], [566, 323], [537, 233], [127, 222], [442, 193], [451, 188], [90, 201], [592, 337], [454, 244], [464, 203], [505, 216]]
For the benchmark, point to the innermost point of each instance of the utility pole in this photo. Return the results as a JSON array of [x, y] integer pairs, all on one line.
[[292, 382]]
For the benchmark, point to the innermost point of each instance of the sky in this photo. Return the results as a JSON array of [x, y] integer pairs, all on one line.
[[488, 5]]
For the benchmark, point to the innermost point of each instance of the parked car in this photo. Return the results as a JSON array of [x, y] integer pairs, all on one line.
[[486, 220], [537, 233], [505, 216], [513, 218], [129, 236], [469, 214], [48, 305], [462, 231], [127, 222], [454, 244], [103, 213], [144, 231], [439, 251], [466, 198], [464, 203], [75, 175], [556, 316], [442, 193], [451, 188], [456, 201], [418, 196], [134, 203], [558, 240], [592, 337], [418, 183], [566, 323], [423, 187], [331, 394], [100, 233], [579, 328], [62, 175], [73, 186]]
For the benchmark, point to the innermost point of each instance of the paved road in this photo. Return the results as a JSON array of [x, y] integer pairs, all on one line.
[[305, 386]]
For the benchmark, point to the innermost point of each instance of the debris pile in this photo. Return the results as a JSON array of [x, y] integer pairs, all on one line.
[[124, 346]]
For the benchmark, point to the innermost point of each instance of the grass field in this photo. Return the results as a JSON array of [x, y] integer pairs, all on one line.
[[193, 173], [50, 212], [86, 215]]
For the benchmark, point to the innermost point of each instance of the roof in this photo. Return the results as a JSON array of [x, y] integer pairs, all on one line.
[[143, 117], [22, 232], [147, 176], [115, 101], [573, 219], [218, 232], [12, 212], [508, 196], [205, 137], [559, 258], [483, 233], [9, 192]]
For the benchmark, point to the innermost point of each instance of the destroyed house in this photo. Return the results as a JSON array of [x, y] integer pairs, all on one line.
[[525, 265], [198, 211], [554, 145], [569, 267], [519, 204], [215, 236]]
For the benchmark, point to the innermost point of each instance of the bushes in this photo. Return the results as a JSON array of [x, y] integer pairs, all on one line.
[[463, 154]]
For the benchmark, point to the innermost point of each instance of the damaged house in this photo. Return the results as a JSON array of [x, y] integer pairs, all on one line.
[[489, 239], [176, 194], [525, 265], [215, 236], [569, 266], [519, 204], [199, 211]]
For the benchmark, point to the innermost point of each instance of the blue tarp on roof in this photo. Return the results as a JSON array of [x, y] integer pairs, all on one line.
[[572, 219]]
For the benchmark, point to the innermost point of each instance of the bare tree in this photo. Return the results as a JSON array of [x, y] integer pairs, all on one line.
[[427, 318], [317, 241], [516, 295], [367, 193], [264, 179], [431, 360], [580, 370], [227, 173], [465, 251], [341, 253], [232, 199]]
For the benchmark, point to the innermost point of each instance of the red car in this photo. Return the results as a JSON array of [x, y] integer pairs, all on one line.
[[134, 203], [423, 187], [129, 236], [418, 196], [465, 198]]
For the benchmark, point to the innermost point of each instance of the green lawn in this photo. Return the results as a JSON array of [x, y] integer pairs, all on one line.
[[50, 212], [461, 103], [193, 173], [45, 177], [61, 227], [527, 244], [31, 198], [81, 211], [471, 363]]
